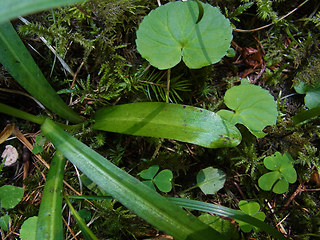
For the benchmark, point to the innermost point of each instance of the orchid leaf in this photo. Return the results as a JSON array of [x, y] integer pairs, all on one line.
[[15, 8], [166, 120], [132, 193], [177, 30]]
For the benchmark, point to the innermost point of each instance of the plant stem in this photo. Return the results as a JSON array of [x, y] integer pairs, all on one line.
[[270, 24]]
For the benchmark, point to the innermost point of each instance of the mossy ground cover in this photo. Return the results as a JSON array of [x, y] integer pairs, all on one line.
[[96, 39]]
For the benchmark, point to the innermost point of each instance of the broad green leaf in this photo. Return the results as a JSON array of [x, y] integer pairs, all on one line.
[[251, 208], [166, 120], [150, 172], [14, 8], [282, 173], [50, 219], [15, 57], [171, 32], [132, 193], [163, 180], [312, 98], [5, 222], [10, 196], [254, 107], [210, 180], [226, 212], [87, 233], [225, 227], [29, 228]]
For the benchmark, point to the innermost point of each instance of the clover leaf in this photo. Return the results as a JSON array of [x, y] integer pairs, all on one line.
[[251, 208], [223, 226], [172, 32], [210, 180], [312, 98], [282, 173], [253, 106], [162, 180]]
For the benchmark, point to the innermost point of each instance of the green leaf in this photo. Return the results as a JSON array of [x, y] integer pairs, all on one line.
[[150, 184], [15, 8], [254, 107], [312, 98], [163, 180], [171, 32], [29, 228], [282, 173], [150, 172], [85, 214], [50, 219], [5, 222], [132, 193], [210, 180], [225, 227], [226, 212], [10, 196], [267, 180], [166, 120], [87, 233], [281, 186], [306, 115], [251, 208], [19, 63]]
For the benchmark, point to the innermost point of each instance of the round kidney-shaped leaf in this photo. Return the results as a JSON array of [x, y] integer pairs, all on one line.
[[211, 180], [171, 32], [10, 196], [254, 107], [29, 228]]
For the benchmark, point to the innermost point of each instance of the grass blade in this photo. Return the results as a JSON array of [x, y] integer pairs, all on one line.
[[166, 120], [19, 63], [306, 115], [87, 233], [49, 225], [14, 8], [226, 212], [132, 193]]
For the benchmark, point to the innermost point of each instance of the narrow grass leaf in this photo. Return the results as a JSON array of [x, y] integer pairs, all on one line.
[[15, 57], [133, 194], [87, 233], [167, 120], [49, 225], [14, 8], [226, 212]]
